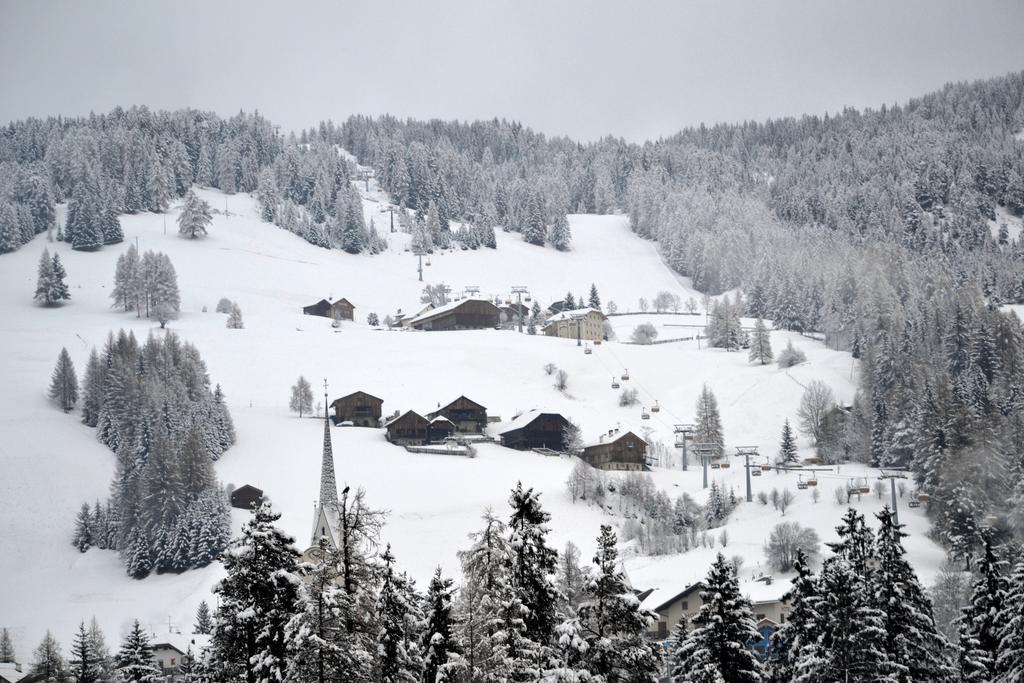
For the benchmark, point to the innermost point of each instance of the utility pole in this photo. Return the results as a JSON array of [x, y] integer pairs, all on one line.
[[579, 341], [683, 434], [746, 452], [419, 254], [705, 451], [391, 210], [892, 477], [519, 290]]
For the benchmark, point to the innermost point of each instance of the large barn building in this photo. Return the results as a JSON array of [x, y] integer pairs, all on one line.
[[465, 314], [469, 417], [534, 429], [359, 408], [408, 429], [616, 450], [342, 309]]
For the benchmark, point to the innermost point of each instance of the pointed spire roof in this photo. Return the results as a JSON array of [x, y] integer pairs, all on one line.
[[328, 484]]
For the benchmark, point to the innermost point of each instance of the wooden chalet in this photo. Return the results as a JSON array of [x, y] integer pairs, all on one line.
[[510, 313], [616, 450], [768, 610], [359, 408], [440, 428], [467, 416], [466, 314], [557, 307], [246, 497], [534, 429], [342, 309], [408, 429]]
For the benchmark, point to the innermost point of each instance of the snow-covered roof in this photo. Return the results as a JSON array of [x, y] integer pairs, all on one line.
[[10, 674], [181, 641], [450, 306], [757, 591], [441, 418], [603, 438], [573, 315], [521, 420]]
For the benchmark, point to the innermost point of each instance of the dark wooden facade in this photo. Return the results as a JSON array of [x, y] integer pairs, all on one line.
[[409, 428], [246, 497], [359, 408], [468, 314], [342, 309], [617, 451], [544, 430], [467, 416], [440, 428], [321, 308]]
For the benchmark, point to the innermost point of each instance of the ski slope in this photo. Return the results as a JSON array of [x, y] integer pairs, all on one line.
[[50, 463]]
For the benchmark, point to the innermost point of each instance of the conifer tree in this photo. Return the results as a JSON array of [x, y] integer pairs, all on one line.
[[10, 232], [855, 543], [92, 394], [47, 661], [983, 620], [195, 216], [6, 646], [912, 641], [534, 231], [64, 383], [320, 647], [84, 668], [258, 597], [50, 286], [533, 564], [787, 447], [83, 538], [709, 424], [234, 321], [561, 236], [760, 344], [100, 653], [716, 649], [302, 397], [800, 626], [438, 641], [204, 620], [1010, 661], [135, 658], [595, 300], [395, 663], [848, 643], [612, 623]]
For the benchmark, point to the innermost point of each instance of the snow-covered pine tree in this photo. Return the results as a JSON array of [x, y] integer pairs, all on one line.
[[320, 647], [800, 625], [849, 637], [534, 230], [484, 590], [716, 649], [135, 657], [234, 321], [7, 653], [560, 236], [855, 543], [760, 344], [912, 642], [100, 653], [64, 383], [195, 216], [594, 300], [258, 597], [394, 664], [84, 668], [136, 553], [83, 228], [572, 579], [983, 620], [10, 232], [787, 446], [83, 538], [126, 290], [533, 564], [50, 287], [439, 647], [47, 661], [1010, 660], [204, 619], [612, 622], [709, 424], [301, 400], [92, 391]]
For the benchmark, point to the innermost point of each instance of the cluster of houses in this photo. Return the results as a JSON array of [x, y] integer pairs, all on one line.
[[465, 418], [342, 309]]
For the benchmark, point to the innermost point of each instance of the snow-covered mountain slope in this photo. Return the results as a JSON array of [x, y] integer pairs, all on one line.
[[50, 463]]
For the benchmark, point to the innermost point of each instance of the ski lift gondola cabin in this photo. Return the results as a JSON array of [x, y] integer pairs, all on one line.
[[644, 415], [615, 385], [655, 408], [587, 351], [625, 375], [755, 471]]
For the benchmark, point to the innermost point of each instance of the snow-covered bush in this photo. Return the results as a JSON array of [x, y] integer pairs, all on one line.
[[791, 356], [224, 305], [644, 333], [628, 397]]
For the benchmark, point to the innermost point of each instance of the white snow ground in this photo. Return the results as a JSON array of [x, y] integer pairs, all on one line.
[[50, 463]]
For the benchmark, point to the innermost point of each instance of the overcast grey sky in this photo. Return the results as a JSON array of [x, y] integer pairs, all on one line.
[[586, 69]]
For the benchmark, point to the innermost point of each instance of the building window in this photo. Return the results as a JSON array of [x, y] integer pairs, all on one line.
[[685, 605], [759, 617], [173, 661], [160, 663]]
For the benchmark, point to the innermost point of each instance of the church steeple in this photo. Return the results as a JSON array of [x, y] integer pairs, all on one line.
[[328, 484]]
